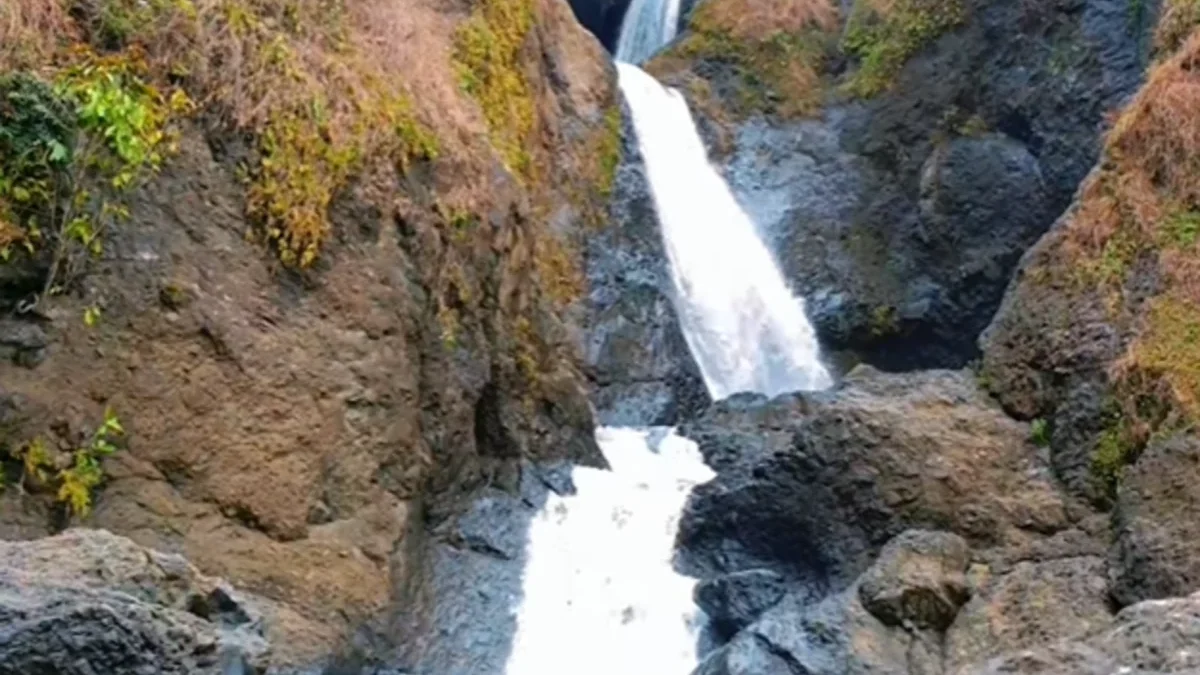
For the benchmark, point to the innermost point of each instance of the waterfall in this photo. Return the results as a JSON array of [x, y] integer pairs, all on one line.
[[648, 26], [745, 328], [600, 595]]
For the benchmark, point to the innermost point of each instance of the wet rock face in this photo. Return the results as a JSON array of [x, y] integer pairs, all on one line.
[[813, 485], [635, 350], [1150, 637], [1157, 549], [733, 601], [835, 635], [918, 580], [89, 602], [901, 218], [1034, 604], [462, 588]]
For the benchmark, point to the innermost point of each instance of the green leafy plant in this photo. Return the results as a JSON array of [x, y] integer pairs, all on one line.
[[69, 152], [91, 316], [1039, 433], [1114, 450], [37, 136], [74, 475], [81, 477]]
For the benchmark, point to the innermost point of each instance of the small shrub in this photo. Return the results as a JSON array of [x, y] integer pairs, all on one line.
[[885, 34], [885, 321], [450, 325], [70, 151], [1039, 433], [75, 475]]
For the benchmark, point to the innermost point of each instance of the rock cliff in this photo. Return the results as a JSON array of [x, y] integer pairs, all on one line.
[[293, 425]]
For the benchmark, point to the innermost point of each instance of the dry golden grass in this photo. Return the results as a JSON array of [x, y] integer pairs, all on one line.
[[1176, 22], [1152, 159], [31, 31], [1141, 211], [291, 72], [777, 49], [759, 20]]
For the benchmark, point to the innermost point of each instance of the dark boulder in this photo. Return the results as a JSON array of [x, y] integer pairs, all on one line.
[[22, 342], [918, 580], [834, 637], [1157, 549], [734, 601], [813, 485], [88, 602]]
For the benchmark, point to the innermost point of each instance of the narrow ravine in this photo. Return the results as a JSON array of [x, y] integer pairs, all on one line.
[[745, 328], [599, 588]]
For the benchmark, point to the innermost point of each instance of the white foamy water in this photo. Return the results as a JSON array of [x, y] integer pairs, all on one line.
[[746, 329], [600, 595], [647, 27]]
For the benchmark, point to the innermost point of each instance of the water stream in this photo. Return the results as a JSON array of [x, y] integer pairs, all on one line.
[[648, 26], [599, 591]]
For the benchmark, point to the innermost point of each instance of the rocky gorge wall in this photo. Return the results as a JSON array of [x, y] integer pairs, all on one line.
[[295, 431], [1029, 514], [330, 468], [934, 145]]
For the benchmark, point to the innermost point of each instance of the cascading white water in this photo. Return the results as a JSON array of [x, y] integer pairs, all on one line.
[[647, 26], [746, 329], [600, 594]]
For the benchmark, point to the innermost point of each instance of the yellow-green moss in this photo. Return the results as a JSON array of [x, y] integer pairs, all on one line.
[[1114, 450], [778, 74], [1180, 230], [487, 51], [885, 321], [558, 268], [305, 159], [884, 36], [525, 352], [1178, 19], [1168, 346], [608, 151]]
